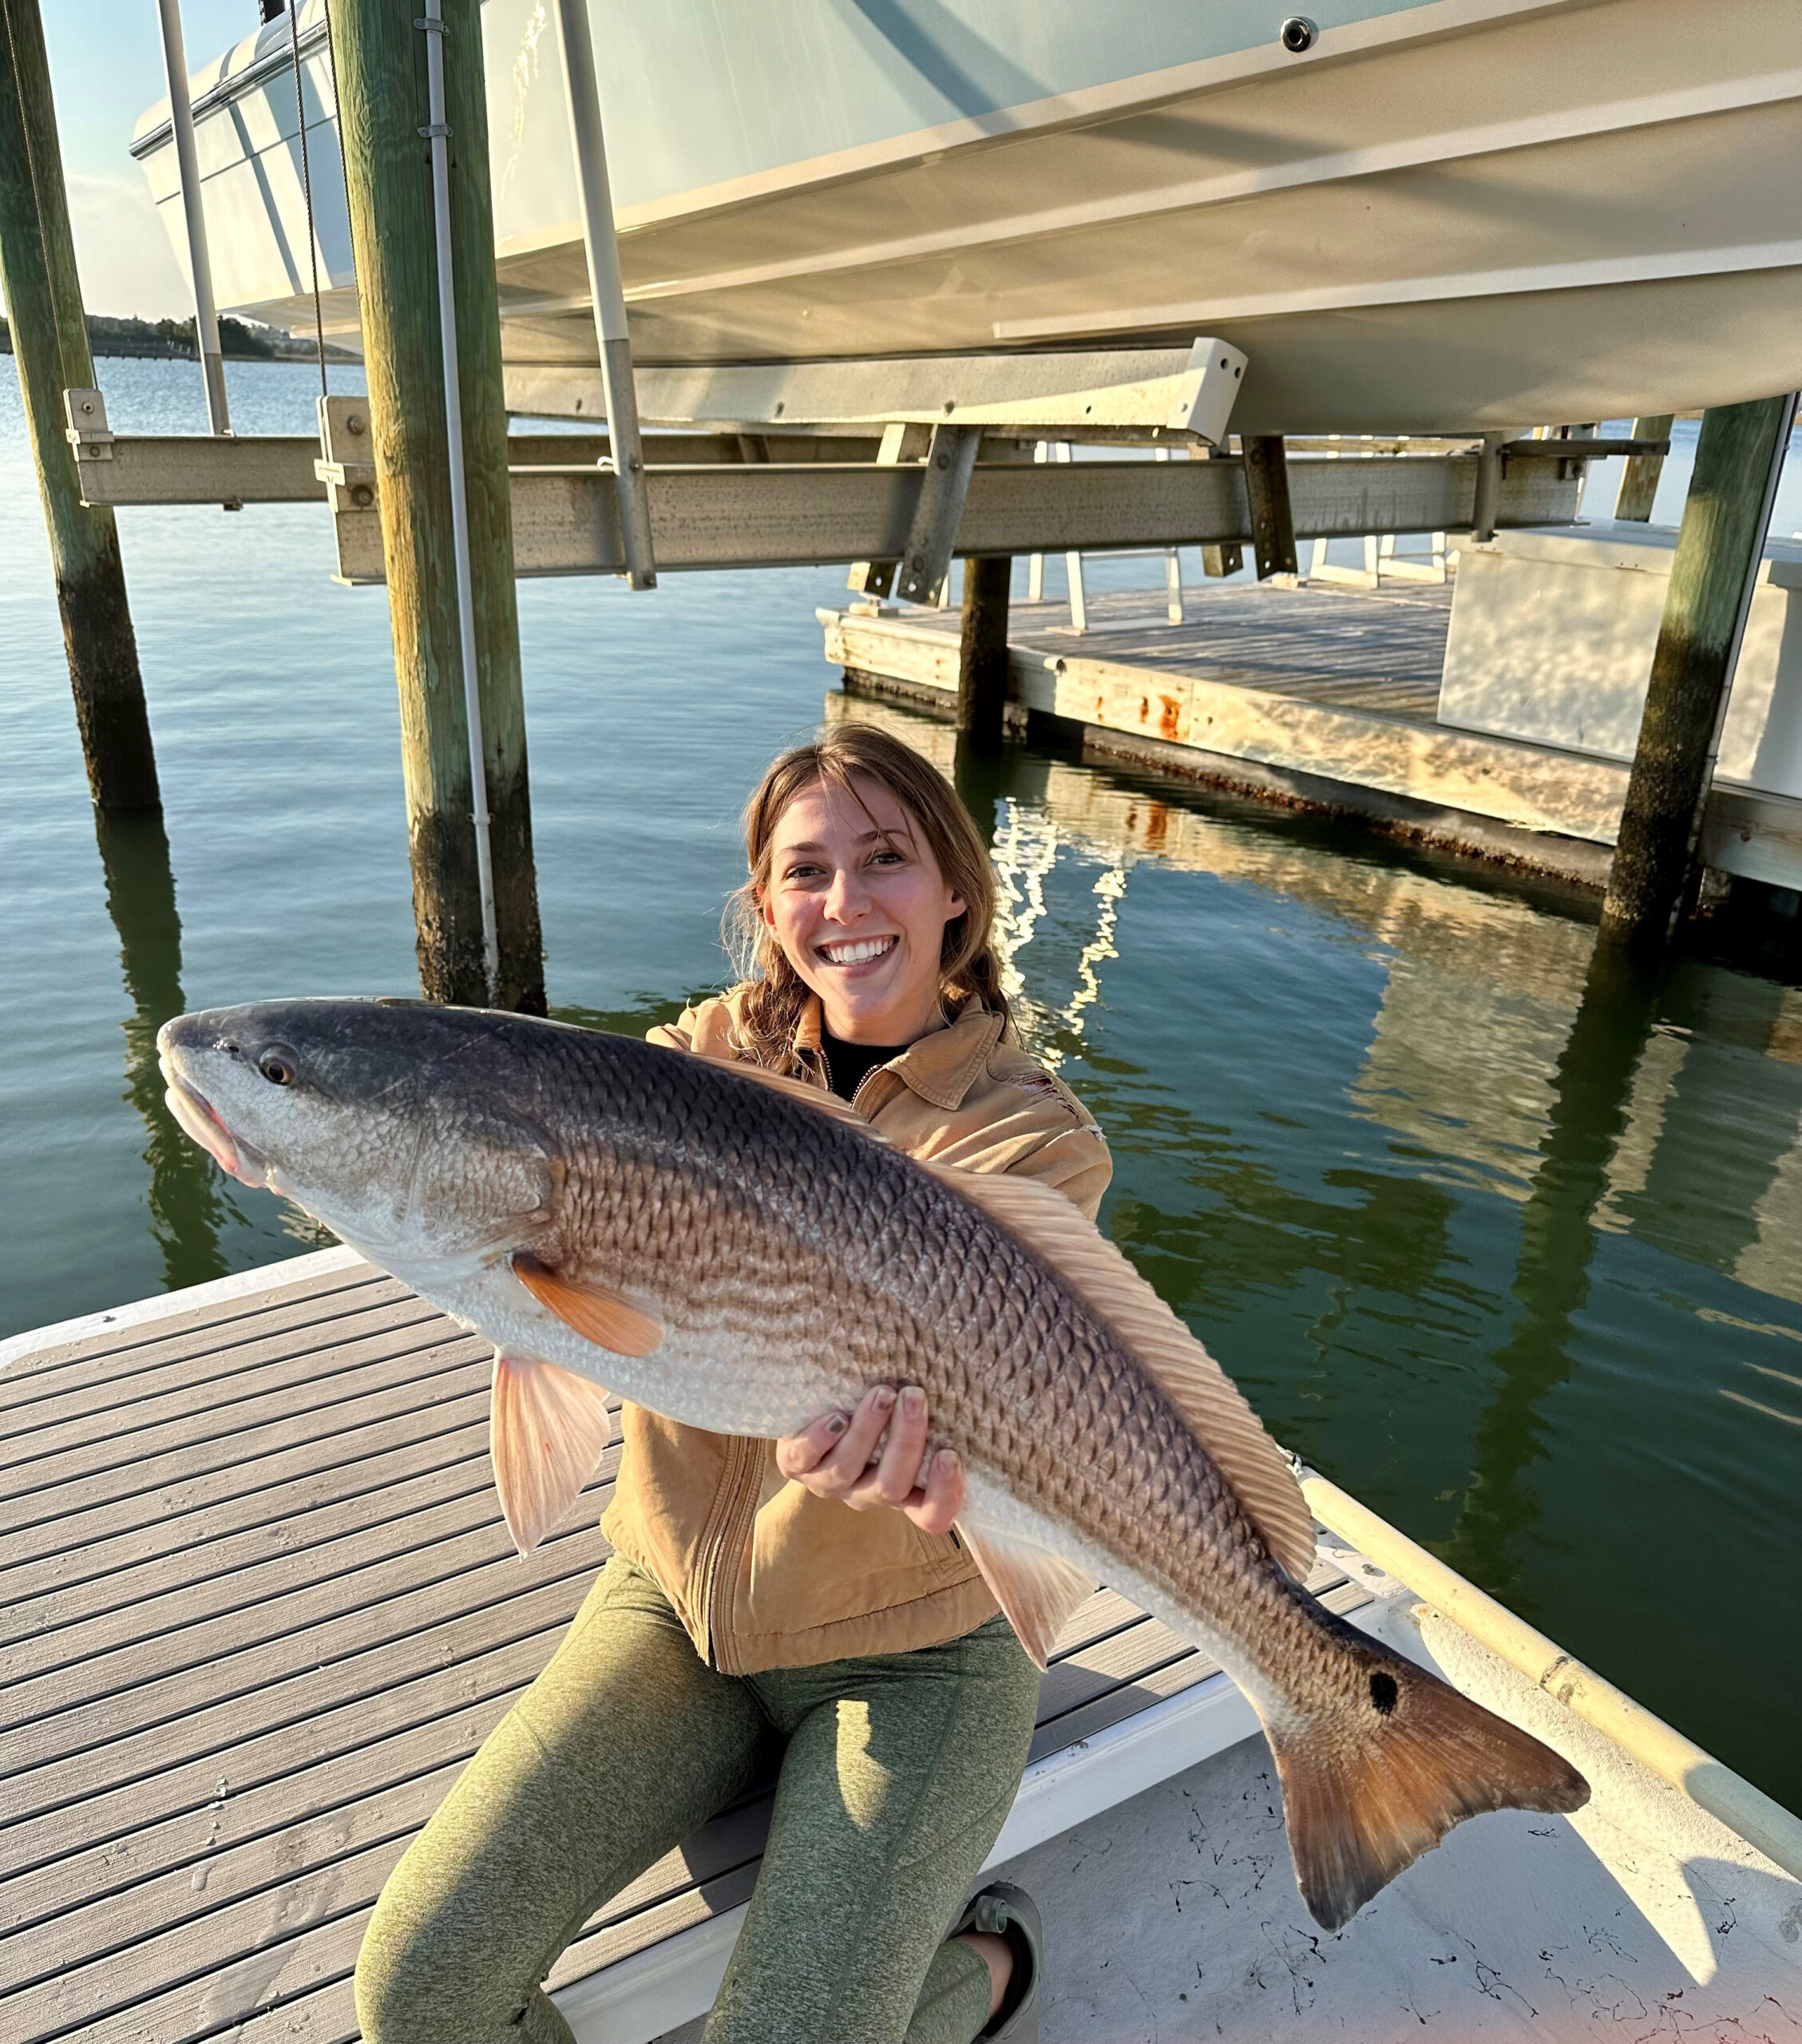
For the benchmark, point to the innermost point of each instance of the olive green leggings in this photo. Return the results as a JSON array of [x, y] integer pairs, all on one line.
[[897, 1772]]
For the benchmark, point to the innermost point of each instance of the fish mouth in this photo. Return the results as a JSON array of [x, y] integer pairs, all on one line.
[[199, 1119]]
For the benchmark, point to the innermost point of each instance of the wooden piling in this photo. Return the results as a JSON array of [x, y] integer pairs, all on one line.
[[1639, 482], [1739, 455], [381, 93], [43, 296], [982, 650], [1273, 524]]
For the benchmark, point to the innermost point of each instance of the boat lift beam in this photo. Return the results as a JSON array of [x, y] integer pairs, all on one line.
[[1147, 394], [776, 514], [711, 509]]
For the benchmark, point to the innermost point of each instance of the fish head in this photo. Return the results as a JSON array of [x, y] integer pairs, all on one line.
[[390, 1121]]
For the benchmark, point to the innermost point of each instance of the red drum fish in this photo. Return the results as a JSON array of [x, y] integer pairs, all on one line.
[[742, 1252]]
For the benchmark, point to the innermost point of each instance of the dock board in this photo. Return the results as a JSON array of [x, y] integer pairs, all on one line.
[[257, 1607]]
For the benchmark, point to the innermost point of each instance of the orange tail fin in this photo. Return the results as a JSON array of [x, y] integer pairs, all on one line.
[[1371, 1787]]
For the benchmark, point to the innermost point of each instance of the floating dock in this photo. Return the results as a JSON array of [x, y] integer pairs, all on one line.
[[260, 1607], [1321, 697]]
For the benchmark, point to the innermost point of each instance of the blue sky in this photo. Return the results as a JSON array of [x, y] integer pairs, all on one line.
[[106, 67]]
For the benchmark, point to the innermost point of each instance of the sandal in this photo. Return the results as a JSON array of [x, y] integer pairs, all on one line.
[[1003, 1911]]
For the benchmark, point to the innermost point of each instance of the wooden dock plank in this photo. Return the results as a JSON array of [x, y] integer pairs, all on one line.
[[262, 1610], [174, 1392], [102, 1847], [59, 1369], [242, 1464], [457, 1621], [411, 1356], [484, 1574], [120, 1538], [31, 1626], [136, 1648]]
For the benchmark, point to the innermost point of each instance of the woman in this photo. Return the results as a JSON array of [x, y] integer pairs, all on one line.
[[805, 1598]]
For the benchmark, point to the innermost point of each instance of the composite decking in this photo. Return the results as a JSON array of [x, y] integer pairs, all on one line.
[[257, 1607]]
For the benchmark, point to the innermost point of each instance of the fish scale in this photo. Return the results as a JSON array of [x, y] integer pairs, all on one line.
[[738, 1252]]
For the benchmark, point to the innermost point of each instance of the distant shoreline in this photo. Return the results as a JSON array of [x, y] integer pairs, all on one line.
[[241, 340]]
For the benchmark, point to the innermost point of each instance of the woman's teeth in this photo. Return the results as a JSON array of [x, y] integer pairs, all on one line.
[[859, 952]]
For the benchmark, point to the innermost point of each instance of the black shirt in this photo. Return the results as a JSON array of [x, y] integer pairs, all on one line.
[[847, 1064]]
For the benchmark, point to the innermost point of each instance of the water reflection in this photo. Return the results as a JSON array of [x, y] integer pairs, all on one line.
[[187, 1205], [1588, 1114], [1500, 1233]]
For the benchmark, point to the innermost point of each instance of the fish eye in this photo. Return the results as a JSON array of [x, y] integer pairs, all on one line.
[[277, 1067]]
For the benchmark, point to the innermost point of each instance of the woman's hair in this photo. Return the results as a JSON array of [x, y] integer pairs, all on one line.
[[967, 966]]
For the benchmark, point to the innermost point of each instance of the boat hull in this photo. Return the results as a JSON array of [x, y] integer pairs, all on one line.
[[1458, 214]]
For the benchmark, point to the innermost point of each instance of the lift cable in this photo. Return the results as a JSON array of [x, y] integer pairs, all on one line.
[[306, 169]]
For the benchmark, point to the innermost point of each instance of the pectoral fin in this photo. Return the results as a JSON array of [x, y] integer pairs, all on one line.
[[598, 1313], [547, 1429], [1036, 1590]]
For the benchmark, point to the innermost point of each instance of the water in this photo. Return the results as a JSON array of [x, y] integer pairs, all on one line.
[[1506, 1246]]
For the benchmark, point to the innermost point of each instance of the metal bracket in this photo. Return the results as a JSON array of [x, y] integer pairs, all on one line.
[[951, 460], [900, 442], [88, 432], [347, 467]]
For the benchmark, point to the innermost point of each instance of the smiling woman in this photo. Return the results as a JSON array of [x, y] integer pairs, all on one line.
[[869, 891], [806, 1595]]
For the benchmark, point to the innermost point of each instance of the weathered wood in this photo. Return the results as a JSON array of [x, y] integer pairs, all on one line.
[[1272, 524], [100, 1575], [380, 58], [165, 1391], [200, 1627], [39, 1368], [211, 1577], [1739, 455], [231, 1436], [982, 653], [218, 1757], [188, 1718], [43, 296], [1639, 479], [133, 1825]]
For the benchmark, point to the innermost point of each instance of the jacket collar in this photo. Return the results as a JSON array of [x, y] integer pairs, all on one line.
[[941, 1066]]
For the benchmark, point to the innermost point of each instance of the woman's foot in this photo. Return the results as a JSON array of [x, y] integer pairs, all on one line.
[[1002, 1924]]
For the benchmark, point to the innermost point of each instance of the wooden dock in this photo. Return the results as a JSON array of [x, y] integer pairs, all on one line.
[[259, 1607], [1321, 697]]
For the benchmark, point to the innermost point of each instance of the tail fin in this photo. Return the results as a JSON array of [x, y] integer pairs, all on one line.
[[1370, 1787]]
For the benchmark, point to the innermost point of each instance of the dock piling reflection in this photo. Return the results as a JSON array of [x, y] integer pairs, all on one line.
[[187, 1206], [1592, 1088]]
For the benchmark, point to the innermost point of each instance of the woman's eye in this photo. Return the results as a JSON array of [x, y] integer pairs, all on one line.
[[276, 1068]]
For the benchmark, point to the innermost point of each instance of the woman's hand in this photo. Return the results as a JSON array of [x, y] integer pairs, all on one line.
[[845, 1455]]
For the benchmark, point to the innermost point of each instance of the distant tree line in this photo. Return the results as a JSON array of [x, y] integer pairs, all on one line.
[[243, 340]]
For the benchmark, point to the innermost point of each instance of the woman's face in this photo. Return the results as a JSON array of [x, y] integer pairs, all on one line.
[[857, 902]]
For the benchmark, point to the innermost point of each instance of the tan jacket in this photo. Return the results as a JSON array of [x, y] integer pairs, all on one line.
[[763, 1574]]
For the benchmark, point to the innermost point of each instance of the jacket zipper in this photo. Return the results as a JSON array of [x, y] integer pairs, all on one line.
[[720, 1566]]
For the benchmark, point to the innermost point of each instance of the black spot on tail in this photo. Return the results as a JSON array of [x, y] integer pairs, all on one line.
[[1383, 1691]]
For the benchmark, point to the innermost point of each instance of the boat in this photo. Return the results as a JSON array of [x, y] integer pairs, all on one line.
[[254, 1633], [1444, 215]]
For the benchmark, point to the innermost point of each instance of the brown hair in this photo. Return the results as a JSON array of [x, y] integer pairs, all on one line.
[[968, 966]]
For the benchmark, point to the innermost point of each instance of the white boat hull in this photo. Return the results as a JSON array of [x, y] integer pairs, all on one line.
[[1457, 214]]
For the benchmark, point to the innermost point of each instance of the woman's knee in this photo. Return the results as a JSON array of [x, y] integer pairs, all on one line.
[[410, 1984]]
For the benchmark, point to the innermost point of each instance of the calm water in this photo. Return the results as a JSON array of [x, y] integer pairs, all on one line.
[[1512, 1250]]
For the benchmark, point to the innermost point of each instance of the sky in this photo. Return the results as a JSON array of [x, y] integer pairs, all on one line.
[[106, 67]]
